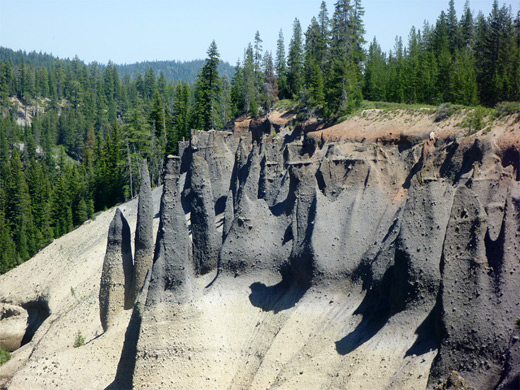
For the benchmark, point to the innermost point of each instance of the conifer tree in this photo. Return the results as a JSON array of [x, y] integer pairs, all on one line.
[[280, 66], [8, 254], [324, 23], [344, 77], [19, 208], [270, 86], [206, 113], [295, 61], [249, 86], [375, 71], [238, 103]]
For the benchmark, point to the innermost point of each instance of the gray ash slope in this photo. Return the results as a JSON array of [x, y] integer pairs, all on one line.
[[417, 238], [363, 256]]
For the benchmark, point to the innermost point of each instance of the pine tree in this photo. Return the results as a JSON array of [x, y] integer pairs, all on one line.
[[8, 256], [207, 93], [454, 37], [179, 128], [498, 59], [281, 67], [324, 23], [249, 87], [295, 61], [225, 101], [238, 103], [18, 208], [150, 83], [270, 86], [375, 72], [467, 28], [344, 77], [258, 54]]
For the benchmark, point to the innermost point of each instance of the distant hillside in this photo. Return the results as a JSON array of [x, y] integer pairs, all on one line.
[[31, 58], [173, 70]]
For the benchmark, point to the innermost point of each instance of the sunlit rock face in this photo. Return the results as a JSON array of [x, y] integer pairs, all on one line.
[[347, 264]]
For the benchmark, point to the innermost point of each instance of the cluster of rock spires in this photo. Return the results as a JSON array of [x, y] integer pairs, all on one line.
[[123, 276], [430, 227]]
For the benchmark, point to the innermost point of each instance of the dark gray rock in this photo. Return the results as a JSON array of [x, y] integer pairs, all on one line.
[[229, 215], [206, 241], [144, 243], [424, 231], [477, 293], [117, 273], [172, 272]]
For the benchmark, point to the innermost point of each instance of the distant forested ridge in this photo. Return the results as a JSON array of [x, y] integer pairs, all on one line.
[[173, 70], [72, 135]]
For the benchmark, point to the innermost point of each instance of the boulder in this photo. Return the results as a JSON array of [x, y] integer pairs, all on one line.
[[13, 325]]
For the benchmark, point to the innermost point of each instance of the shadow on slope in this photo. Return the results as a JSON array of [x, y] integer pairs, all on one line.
[[375, 317], [277, 298]]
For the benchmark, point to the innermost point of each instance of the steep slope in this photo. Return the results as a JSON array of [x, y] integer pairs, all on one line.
[[347, 257], [59, 289]]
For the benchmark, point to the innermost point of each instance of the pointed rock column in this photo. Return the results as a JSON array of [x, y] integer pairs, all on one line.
[[172, 273], [117, 271], [206, 242], [144, 244]]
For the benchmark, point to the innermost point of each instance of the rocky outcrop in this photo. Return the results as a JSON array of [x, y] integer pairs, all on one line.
[[206, 241], [144, 241], [424, 235], [117, 271], [173, 270], [13, 326], [386, 262]]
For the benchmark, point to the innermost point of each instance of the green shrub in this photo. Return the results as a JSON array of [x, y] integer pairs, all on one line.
[[475, 120], [503, 109], [79, 341], [285, 105], [4, 356], [445, 110]]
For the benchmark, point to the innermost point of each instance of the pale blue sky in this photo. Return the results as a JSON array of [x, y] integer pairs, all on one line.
[[127, 31]]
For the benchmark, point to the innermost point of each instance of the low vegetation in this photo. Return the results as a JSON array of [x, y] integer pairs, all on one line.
[[5, 356], [79, 340]]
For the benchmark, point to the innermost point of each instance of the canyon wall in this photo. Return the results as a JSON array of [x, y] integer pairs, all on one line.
[[341, 264]]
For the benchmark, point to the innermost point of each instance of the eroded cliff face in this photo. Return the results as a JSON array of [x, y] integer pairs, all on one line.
[[368, 255], [349, 264]]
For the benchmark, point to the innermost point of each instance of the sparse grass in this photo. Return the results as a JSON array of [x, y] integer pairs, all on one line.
[[5, 356], [388, 110], [503, 109], [285, 105], [475, 119], [392, 107], [446, 110], [79, 341]]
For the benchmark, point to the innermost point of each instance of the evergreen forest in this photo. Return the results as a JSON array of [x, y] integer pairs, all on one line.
[[72, 135]]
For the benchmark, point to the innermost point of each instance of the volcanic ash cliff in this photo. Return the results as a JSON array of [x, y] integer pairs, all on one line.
[[338, 265], [310, 260]]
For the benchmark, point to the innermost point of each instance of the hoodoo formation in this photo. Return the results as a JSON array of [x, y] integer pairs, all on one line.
[[402, 255], [314, 259], [117, 273]]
